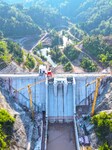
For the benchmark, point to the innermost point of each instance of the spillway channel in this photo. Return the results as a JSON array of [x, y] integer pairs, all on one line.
[[61, 136]]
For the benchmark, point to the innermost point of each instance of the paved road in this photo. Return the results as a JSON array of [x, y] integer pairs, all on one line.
[[55, 75]]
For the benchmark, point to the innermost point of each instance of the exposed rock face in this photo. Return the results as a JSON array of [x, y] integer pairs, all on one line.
[[11, 68], [105, 106], [22, 124], [27, 132], [94, 140]]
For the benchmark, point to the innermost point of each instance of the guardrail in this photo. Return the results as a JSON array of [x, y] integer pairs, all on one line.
[[76, 135], [46, 134]]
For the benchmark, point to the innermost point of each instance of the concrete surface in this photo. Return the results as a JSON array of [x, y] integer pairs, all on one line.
[[61, 137], [56, 96]]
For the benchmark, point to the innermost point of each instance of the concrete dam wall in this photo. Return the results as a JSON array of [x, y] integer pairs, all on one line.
[[58, 96]]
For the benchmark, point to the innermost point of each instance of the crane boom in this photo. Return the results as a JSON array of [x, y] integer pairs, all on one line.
[[30, 93], [33, 84], [95, 96]]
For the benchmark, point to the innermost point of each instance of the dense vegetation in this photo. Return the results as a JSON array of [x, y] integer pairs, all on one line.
[[68, 67], [14, 21], [16, 52], [56, 40], [58, 57], [103, 128], [95, 17], [99, 50], [46, 17], [6, 128], [88, 65], [30, 62], [71, 52], [56, 54], [77, 32], [65, 7], [83, 18], [11, 51], [92, 16]]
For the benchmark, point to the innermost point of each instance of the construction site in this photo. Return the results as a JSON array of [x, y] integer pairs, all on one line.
[[51, 108], [55, 75]]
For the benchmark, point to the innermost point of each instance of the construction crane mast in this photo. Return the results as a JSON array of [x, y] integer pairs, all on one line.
[[31, 103], [29, 86], [97, 81]]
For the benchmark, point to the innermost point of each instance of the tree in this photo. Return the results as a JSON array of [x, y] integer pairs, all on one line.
[[68, 67], [56, 39], [30, 62], [4, 54], [110, 63], [103, 58], [103, 125], [63, 59], [6, 126], [88, 65], [1, 35], [39, 46], [56, 54], [14, 21], [99, 49], [104, 147], [71, 52]]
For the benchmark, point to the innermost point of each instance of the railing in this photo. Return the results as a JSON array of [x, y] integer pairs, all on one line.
[[76, 135], [46, 134]]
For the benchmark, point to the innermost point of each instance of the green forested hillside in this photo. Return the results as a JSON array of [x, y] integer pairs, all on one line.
[[84, 21], [65, 7], [46, 17], [11, 51], [14, 22], [92, 16], [95, 17], [99, 49]]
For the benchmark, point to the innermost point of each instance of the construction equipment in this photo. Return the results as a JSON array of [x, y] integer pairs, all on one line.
[[97, 81], [86, 148], [30, 94], [30, 91], [49, 74]]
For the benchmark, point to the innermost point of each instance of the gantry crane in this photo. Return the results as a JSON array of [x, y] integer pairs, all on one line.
[[97, 81]]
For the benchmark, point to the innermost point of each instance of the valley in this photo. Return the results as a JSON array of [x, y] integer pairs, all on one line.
[[55, 74], [56, 32]]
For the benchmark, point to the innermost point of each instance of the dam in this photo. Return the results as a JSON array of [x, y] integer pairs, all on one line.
[[58, 98]]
